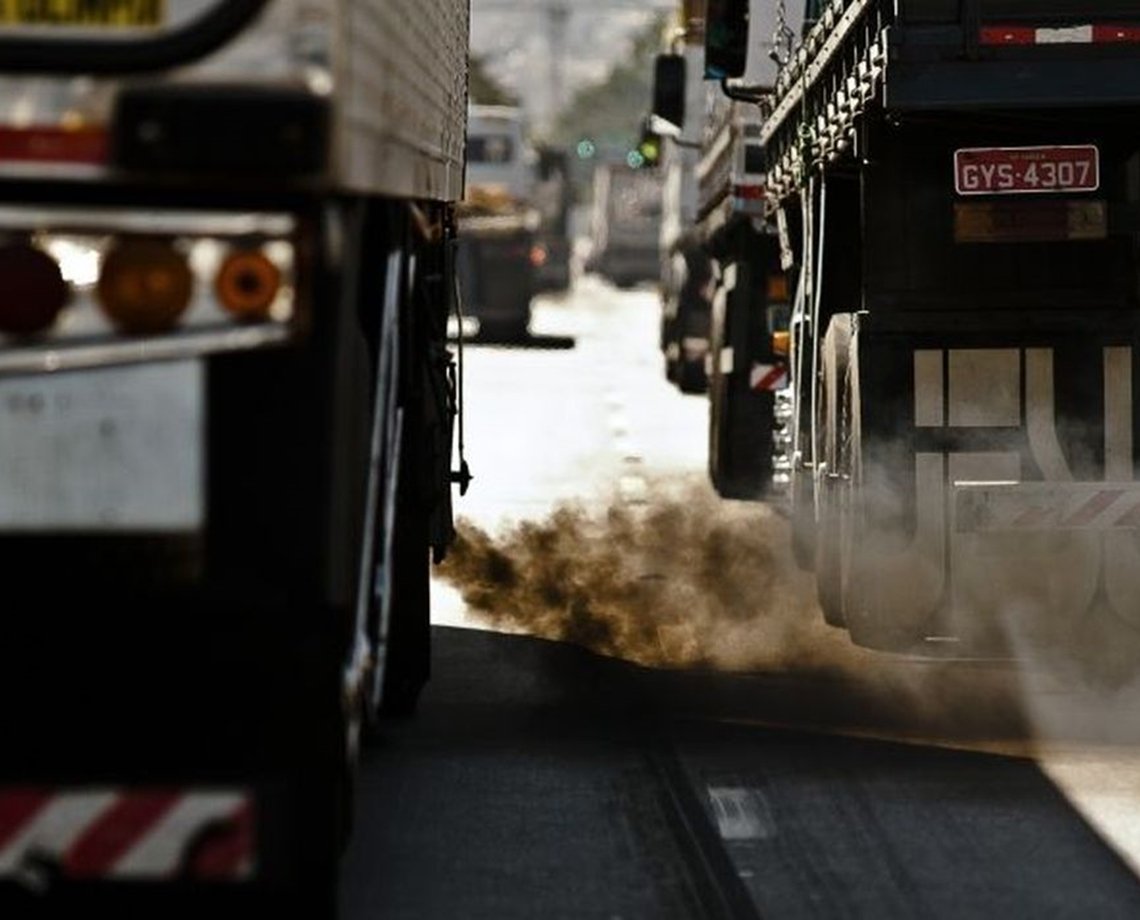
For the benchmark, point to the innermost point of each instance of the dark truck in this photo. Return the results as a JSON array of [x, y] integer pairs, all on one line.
[[226, 406], [732, 299], [553, 198], [954, 187], [499, 224]]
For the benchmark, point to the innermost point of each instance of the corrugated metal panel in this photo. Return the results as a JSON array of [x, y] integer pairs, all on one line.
[[403, 102], [396, 71]]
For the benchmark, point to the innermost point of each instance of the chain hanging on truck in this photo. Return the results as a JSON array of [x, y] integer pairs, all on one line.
[[462, 476], [825, 86]]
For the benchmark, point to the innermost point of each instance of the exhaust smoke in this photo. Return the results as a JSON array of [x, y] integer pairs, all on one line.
[[687, 580], [690, 582]]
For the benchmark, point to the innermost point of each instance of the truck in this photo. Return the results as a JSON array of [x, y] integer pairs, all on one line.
[[723, 331], [953, 187], [227, 263], [625, 221], [686, 279], [554, 198], [499, 224]]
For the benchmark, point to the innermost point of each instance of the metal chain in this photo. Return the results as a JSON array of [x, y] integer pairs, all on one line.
[[782, 36]]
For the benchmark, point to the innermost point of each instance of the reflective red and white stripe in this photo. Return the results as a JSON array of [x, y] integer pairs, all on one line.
[[128, 834], [1048, 506], [766, 377], [1107, 508], [1087, 34]]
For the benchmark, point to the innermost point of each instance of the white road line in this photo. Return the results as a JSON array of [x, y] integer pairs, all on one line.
[[741, 813]]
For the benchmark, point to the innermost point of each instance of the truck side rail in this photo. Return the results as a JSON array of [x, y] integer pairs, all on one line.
[[938, 57]]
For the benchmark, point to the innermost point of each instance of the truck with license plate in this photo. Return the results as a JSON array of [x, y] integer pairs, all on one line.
[[957, 190], [226, 411]]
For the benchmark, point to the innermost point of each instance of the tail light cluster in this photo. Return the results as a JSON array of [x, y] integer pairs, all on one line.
[[105, 278]]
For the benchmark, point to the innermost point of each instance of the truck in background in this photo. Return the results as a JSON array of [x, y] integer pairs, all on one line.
[[747, 364], [731, 328], [625, 223], [553, 198], [952, 189], [226, 408], [499, 224], [686, 272]]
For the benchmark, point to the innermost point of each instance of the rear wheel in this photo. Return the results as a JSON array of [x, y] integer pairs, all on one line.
[[408, 654], [741, 420]]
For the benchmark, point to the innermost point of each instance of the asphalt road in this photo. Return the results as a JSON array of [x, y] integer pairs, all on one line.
[[539, 780], [726, 754]]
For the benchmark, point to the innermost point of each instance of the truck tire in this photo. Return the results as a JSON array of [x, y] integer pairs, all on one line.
[[408, 652], [740, 423], [834, 423], [866, 619], [691, 377]]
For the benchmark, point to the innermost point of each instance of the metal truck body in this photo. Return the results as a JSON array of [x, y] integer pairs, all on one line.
[[226, 408], [957, 184]]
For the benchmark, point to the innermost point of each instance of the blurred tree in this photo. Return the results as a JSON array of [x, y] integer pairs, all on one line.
[[485, 89], [610, 112], [608, 115]]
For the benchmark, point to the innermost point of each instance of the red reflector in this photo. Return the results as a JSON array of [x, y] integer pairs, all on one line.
[[1008, 35], [748, 192], [32, 290], [225, 851], [1109, 33], [54, 145], [1087, 33]]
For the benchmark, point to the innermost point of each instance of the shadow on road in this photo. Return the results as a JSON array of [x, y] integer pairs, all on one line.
[[547, 342]]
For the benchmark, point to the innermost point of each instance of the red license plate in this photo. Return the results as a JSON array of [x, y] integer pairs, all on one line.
[[1026, 170]]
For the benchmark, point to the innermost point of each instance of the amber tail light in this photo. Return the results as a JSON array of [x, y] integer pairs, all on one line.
[[247, 284], [145, 286]]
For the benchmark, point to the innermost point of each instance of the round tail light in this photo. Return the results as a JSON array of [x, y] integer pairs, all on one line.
[[145, 286], [33, 290], [247, 284]]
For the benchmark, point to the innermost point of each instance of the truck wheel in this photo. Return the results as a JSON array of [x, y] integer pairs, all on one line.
[[408, 649], [408, 662], [866, 619], [740, 427], [833, 420], [691, 377]]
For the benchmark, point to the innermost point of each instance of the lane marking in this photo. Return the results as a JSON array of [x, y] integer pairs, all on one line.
[[741, 813]]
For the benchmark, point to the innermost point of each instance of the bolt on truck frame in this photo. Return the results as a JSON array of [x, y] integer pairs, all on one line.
[[226, 412], [960, 187]]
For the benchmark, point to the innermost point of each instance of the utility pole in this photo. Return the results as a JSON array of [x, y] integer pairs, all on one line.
[[557, 17]]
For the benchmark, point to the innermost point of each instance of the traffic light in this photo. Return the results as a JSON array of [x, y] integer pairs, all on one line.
[[649, 147]]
